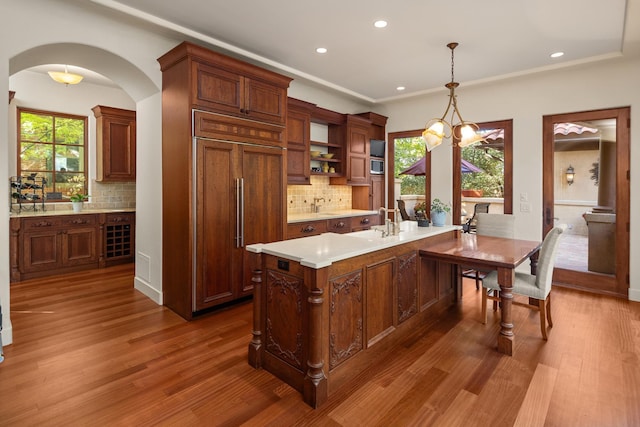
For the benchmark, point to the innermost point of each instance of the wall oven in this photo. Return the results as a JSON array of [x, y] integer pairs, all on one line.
[[377, 166]]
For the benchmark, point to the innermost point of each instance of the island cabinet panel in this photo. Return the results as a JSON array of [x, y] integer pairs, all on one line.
[[318, 328], [407, 285], [285, 318], [345, 317], [380, 301]]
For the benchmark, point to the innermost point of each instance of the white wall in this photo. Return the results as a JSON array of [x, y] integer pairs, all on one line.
[[526, 100]]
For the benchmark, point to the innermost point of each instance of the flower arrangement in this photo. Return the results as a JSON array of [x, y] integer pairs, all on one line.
[[420, 209], [76, 191], [438, 205]]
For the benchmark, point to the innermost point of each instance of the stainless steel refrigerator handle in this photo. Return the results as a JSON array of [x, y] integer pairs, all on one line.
[[238, 198], [241, 212]]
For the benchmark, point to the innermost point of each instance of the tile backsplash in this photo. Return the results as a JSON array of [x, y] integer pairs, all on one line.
[[300, 197], [105, 195]]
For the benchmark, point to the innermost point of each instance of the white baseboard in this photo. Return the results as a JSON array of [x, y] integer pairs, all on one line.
[[634, 295], [146, 289], [7, 333]]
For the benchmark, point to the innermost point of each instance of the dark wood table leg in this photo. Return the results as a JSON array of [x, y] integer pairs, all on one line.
[[315, 390], [506, 277]]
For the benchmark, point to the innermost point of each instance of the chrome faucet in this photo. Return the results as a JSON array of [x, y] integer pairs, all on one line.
[[392, 227], [315, 206]]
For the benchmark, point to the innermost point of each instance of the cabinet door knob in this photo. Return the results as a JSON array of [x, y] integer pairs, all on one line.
[[308, 229], [340, 224], [364, 221]]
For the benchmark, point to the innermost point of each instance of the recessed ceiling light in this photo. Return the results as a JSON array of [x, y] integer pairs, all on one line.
[[321, 50], [557, 54], [400, 88], [380, 24]]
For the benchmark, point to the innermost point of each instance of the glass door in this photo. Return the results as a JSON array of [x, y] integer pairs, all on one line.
[[586, 164]]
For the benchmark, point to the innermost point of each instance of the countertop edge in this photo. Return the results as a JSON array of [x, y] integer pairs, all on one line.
[[352, 248]]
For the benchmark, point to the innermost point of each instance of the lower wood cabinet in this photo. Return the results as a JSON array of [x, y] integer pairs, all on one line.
[[47, 245], [333, 225]]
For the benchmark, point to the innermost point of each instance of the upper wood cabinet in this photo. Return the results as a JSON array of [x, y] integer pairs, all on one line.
[[115, 144], [298, 141], [225, 85], [355, 136]]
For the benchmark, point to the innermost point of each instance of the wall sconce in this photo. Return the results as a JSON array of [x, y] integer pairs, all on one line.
[[570, 175]]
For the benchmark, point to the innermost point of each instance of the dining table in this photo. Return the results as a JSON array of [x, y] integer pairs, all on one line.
[[490, 253]]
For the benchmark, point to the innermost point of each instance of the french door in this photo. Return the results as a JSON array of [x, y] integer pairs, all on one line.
[[586, 185]]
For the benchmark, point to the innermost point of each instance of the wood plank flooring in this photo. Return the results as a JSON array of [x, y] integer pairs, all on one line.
[[90, 350]]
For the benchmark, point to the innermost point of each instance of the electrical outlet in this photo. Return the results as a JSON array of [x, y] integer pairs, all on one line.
[[525, 207], [524, 197]]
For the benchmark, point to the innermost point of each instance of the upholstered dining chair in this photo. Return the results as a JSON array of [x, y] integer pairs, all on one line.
[[470, 225], [536, 287], [495, 225]]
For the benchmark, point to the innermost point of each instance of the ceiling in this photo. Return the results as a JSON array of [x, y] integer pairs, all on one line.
[[498, 38]]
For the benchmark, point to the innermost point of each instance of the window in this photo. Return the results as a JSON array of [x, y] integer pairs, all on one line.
[[53, 146], [483, 172]]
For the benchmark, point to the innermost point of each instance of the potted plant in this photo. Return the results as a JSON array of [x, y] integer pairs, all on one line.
[[439, 211], [76, 192], [420, 209]]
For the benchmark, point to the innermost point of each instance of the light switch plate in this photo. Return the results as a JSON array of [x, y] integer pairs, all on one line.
[[524, 197], [525, 207]]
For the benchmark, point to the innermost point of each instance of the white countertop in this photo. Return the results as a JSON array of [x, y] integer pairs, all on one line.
[[328, 214], [26, 213], [324, 249]]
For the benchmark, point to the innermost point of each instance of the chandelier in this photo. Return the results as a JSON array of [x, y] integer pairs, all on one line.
[[65, 77], [438, 129]]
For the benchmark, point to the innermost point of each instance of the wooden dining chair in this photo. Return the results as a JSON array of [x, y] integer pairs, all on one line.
[[496, 225], [536, 287], [470, 225], [403, 211]]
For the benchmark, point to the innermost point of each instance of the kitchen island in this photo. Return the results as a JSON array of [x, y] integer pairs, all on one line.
[[327, 307]]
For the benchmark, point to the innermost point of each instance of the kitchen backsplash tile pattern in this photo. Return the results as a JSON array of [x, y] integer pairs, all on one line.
[[105, 195], [300, 197]]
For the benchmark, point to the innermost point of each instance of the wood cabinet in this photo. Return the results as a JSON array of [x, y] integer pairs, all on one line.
[[298, 140], [115, 144], [332, 225], [239, 197], [357, 150], [226, 187], [118, 238], [48, 245], [307, 228], [227, 86]]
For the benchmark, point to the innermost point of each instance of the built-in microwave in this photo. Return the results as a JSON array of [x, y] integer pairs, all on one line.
[[377, 166]]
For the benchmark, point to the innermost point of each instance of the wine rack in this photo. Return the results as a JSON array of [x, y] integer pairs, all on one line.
[[27, 193]]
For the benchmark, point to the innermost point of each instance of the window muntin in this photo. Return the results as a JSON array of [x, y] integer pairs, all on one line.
[[53, 146]]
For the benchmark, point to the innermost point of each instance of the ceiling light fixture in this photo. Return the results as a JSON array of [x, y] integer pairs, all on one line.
[[65, 77], [380, 24], [321, 50], [438, 129], [557, 54]]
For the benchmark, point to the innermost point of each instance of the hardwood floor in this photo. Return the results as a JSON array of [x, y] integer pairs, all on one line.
[[90, 350]]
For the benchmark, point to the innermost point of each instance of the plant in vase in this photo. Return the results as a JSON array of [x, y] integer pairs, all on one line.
[[420, 210], [76, 192], [439, 211]]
